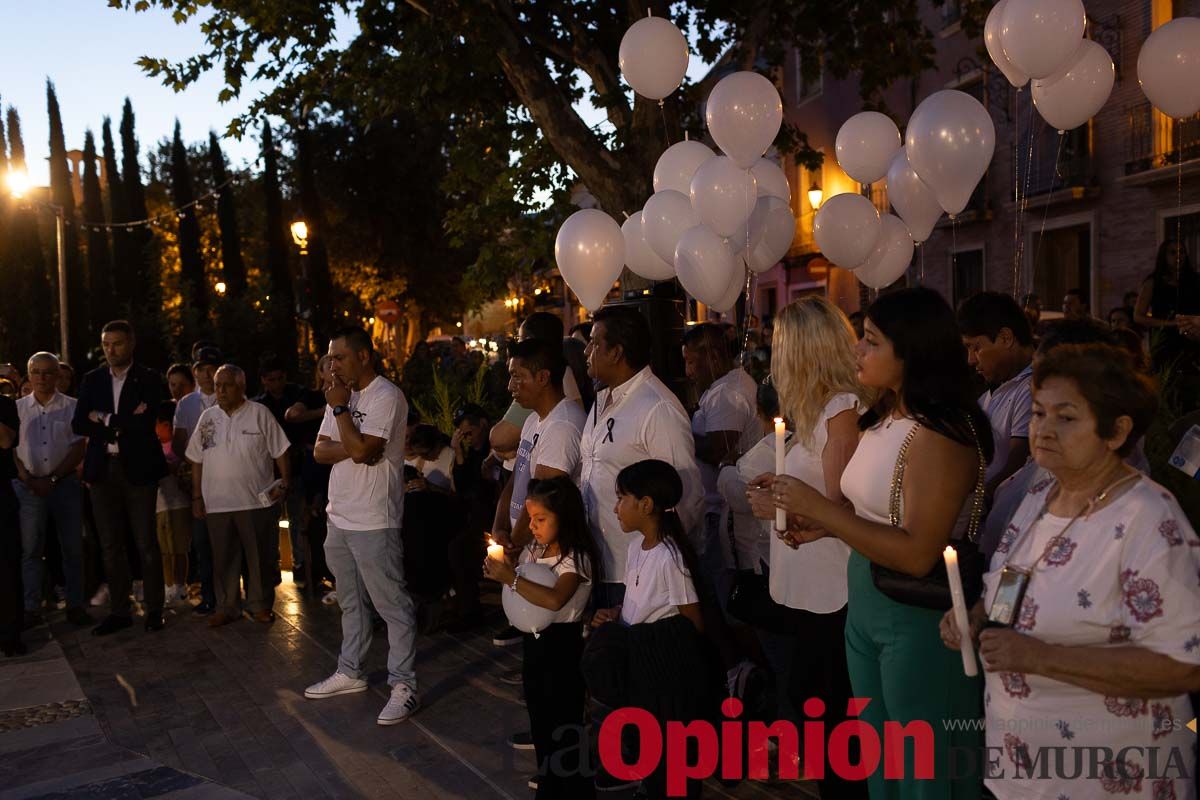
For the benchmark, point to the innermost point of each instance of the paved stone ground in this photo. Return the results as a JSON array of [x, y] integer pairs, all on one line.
[[227, 705]]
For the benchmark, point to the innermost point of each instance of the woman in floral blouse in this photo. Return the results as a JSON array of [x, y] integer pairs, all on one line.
[[1087, 688]]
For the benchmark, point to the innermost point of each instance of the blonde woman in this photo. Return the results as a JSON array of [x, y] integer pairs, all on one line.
[[813, 370]]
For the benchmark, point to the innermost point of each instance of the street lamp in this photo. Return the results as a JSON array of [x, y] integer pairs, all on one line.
[[814, 196], [300, 235], [20, 185], [220, 287]]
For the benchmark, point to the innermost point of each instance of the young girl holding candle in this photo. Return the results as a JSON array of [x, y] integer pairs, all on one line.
[[554, 687]]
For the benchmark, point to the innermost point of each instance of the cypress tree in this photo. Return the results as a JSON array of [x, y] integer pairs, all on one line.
[[3, 148], [147, 297], [233, 268], [282, 292], [126, 255], [31, 305], [99, 260], [319, 281], [191, 261], [62, 194]]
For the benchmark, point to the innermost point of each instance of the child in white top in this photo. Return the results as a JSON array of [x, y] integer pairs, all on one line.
[[660, 563], [554, 687]]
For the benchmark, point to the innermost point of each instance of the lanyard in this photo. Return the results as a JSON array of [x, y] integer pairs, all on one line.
[[1085, 512]]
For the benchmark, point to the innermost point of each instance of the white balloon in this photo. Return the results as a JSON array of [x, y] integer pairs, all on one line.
[[1040, 36], [866, 144], [666, 216], [846, 228], [524, 615], [723, 194], [743, 114], [891, 256], [950, 141], [1070, 98], [911, 198], [704, 264], [590, 251], [772, 230], [638, 256], [678, 164], [991, 40], [737, 285], [653, 57], [1168, 67], [771, 180]]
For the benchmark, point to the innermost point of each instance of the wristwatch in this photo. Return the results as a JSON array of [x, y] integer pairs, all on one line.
[[339, 410]]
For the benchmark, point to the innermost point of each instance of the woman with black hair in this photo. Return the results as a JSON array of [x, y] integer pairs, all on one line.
[[1168, 304], [926, 420]]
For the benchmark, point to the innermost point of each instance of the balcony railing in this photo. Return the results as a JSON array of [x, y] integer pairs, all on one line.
[[1156, 142]]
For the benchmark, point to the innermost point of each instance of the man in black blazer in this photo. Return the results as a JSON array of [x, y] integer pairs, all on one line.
[[123, 465]]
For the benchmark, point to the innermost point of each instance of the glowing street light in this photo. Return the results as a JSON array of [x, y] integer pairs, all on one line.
[[19, 183], [220, 287], [300, 235]]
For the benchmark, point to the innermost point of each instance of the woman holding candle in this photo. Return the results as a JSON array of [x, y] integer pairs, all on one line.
[[814, 374], [913, 356], [554, 687], [1093, 589]]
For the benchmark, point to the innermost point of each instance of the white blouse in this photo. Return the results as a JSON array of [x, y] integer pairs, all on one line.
[[813, 576]]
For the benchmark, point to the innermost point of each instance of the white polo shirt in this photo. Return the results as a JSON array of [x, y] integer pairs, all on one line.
[[190, 407], [730, 404], [370, 497], [638, 420], [1009, 408], [552, 441], [238, 452], [45, 436]]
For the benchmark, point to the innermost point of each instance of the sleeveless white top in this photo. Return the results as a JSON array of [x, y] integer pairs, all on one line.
[[813, 576], [867, 481]]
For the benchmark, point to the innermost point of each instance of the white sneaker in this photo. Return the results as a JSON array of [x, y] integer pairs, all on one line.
[[335, 684], [101, 595], [400, 706]]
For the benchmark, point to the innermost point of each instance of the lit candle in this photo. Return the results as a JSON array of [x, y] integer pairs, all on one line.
[[495, 551], [780, 452], [960, 611]]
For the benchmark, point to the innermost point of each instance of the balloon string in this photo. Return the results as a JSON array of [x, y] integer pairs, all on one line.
[[1025, 191], [1046, 206], [921, 272], [662, 109], [1016, 150], [1179, 215], [953, 249]]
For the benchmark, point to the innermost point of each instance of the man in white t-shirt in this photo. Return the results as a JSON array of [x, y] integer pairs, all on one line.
[[635, 418], [187, 415], [549, 445], [725, 426], [362, 436], [999, 345], [234, 450]]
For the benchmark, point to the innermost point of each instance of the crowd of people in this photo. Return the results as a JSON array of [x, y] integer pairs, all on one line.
[[685, 568]]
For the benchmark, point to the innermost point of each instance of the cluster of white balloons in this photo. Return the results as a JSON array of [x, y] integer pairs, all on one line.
[[946, 150], [1043, 40], [712, 215]]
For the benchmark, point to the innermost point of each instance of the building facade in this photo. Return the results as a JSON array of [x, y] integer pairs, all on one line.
[[1097, 201]]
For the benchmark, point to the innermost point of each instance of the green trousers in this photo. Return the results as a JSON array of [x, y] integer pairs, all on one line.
[[897, 660]]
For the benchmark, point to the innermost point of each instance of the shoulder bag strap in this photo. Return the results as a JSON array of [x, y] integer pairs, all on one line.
[[898, 482]]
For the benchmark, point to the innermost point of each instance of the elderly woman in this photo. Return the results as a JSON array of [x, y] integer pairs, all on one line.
[[1092, 603]]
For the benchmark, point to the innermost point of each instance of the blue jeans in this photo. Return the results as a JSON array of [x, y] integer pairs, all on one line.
[[204, 561], [65, 504], [369, 569]]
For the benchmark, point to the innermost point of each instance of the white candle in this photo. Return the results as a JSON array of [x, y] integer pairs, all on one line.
[[495, 551], [780, 452], [960, 611]]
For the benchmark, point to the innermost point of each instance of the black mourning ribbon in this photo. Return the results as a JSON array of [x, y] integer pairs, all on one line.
[[608, 437]]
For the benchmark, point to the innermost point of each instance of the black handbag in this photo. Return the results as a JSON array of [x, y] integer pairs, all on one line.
[[933, 590]]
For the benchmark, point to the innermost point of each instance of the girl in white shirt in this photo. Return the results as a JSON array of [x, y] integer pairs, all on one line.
[[660, 562], [554, 687]]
